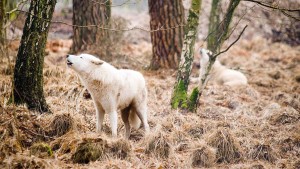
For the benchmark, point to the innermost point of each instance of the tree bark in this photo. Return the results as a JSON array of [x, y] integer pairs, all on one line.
[[166, 45], [221, 34], [214, 22], [89, 13], [222, 28], [28, 72], [179, 98], [2, 22]]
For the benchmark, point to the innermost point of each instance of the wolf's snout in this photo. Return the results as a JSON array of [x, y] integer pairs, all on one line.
[[68, 61]]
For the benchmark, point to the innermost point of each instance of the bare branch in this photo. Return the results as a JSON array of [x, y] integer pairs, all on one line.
[[104, 3], [231, 43], [16, 8], [289, 15], [273, 7], [105, 28]]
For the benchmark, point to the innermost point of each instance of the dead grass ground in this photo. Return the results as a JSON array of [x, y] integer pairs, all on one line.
[[256, 126]]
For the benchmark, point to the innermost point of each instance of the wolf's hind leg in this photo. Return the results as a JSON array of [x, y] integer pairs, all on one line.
[[125, 118], [141, 111]]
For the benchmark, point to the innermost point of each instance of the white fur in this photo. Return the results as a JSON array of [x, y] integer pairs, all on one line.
[[113, 89], [219, 73]]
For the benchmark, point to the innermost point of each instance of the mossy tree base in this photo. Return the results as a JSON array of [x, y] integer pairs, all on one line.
[[180, 97]]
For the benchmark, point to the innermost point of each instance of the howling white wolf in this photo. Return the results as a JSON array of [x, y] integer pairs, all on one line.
[[113, 89], [219, 73]]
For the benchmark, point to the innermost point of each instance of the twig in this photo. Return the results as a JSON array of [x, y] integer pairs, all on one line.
[[104, 3], [105, 28], [4, 133], [16, 8], [284, 11], [273, 7], [231, 43], [32, 132]]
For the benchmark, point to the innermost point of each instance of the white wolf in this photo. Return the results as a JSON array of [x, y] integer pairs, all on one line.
[[219, 73], [113, 89]]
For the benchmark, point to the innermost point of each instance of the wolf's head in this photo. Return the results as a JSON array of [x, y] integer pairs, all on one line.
[[205, 55], [83, 63]]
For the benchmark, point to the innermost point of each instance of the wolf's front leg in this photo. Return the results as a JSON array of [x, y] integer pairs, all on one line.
[[113, 117], [99, 117]]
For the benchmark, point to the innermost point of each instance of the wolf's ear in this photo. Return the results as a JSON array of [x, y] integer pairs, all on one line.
[[209, 53], [97, 62]]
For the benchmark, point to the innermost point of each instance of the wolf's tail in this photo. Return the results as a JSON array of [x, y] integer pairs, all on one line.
[[134, 120]]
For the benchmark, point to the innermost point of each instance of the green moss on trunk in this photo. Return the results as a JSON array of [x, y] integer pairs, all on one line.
[[179, 98], [193, 99], [28, 72], [187, 55]]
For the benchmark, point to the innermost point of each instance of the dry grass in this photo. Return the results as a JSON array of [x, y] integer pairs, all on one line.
[[158, 145], [223, 133], [263, 152], [228, 149], [203, 156], [60, 125]]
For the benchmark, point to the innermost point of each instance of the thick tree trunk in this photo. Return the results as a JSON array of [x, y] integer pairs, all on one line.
[[166, 45], [214, 23], [179, 98], [28, 73], [89, 13]]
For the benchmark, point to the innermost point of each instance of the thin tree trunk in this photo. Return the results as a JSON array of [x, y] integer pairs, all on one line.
[[28, 72], [221, 35], [2, 23], [166, 45], [179, 98], [89, 13], [214, 22]]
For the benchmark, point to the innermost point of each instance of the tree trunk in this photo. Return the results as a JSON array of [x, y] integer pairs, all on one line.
[[89, 13], [221, 34], [214, 21], [179, 98], [2, 23], [166, 45], [28, 73], [222, 28]]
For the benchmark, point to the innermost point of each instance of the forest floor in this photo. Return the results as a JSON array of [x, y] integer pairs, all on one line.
[[253, 127]]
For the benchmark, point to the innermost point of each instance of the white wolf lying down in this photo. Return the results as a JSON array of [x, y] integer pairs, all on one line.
[[219, 73], [112, 89]]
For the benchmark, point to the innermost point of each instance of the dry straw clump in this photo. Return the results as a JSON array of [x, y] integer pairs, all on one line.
[[41, 150], [92, 149], [257, 166], [20, 161], [203, 156], [61, 124], [196, 131], [228, 149], [159, 145], [119, 148], [263, 152]]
